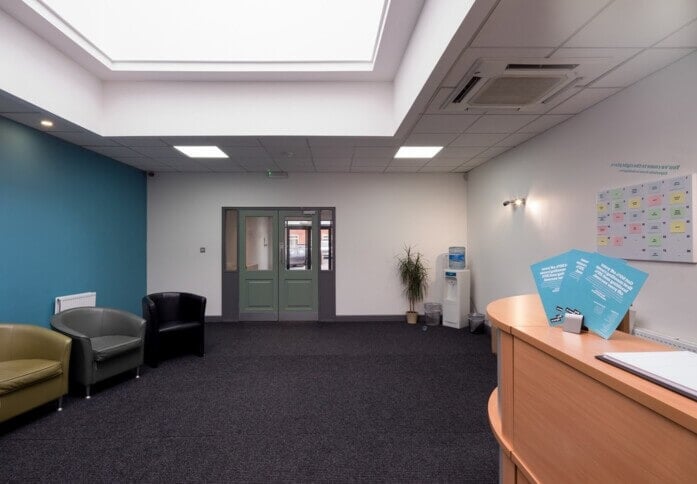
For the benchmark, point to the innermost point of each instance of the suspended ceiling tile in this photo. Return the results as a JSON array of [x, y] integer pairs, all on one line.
[[473, 163], [376, 141], [374, 152], [635, 23], [289, 151], [222, 165], [492, 152], [332, 151], [84, 138], [283, 142], [139, 141], [242, 152], [296, 165], [515, 139], [583, 100], [329, 161], [114, 151], [544, 122], [409, 161], [159, 152], [597, 61], [430, 139], [367, 168], [685, 37], [444, 123], [451, 162], [535, 23], [371, 162], [248, 141], [335, 165], [258, 165], [478, 139], [459, 152], [642, 65], [437, 169], [500, 123], [403, 168]]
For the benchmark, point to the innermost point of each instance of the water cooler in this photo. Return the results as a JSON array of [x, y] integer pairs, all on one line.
[[456, 300]]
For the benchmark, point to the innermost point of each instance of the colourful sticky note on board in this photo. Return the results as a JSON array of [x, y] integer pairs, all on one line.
[[634, 228], [634, 203], [677, 197], [654, 241], [653, 200], [677, 227], [618, 217], [654, 227], [603, 229], [617, 205], [602, 241], [602, 207], [654, 214], [617, 241], [616, 193], [677, 212]]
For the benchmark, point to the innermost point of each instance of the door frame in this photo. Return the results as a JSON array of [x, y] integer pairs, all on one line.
[[230, 290]]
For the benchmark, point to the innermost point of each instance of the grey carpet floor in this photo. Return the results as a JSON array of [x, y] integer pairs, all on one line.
[[299, 402]]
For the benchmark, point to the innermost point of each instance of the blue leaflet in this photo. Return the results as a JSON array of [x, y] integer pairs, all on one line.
[[600, 288]]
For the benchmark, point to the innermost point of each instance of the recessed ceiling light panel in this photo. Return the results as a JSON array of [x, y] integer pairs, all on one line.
[[202, 151], [418, 151]]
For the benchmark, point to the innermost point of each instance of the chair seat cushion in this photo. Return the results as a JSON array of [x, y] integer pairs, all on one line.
[[106, 347], [16, 374], [172, 326]]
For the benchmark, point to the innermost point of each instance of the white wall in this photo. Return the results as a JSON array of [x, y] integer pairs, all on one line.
[[376, 214], [560, 171]]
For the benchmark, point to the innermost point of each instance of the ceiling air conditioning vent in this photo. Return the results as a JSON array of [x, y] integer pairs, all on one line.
[[499, 84]]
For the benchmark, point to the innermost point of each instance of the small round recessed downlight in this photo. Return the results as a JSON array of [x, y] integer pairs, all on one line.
[[47, 123]]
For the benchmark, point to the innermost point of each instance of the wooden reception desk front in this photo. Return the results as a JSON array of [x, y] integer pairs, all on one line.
[[561, 415]]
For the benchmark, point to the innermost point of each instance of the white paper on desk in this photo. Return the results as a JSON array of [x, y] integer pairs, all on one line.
[[676, 370]]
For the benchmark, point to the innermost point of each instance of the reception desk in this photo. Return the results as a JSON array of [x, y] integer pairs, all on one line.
[[561, 415]]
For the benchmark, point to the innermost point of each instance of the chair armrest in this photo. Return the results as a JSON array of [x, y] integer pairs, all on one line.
[[60, 326]]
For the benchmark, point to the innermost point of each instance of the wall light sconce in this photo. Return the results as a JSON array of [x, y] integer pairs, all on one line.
[[516, 202]]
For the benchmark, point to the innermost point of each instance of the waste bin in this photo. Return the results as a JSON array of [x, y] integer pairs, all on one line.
[[434, 312], [476, 321]]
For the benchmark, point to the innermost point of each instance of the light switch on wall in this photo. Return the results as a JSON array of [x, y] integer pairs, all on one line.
[[202, 250]]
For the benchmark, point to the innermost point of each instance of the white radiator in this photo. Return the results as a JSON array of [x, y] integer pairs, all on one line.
[[75, 301], [678, 343]]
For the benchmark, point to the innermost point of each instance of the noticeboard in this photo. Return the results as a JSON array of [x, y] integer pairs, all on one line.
[[648, 221]]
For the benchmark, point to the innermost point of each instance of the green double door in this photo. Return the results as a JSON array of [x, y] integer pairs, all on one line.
[[279, 265]]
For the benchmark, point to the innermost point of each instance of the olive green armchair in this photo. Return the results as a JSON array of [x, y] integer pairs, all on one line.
[[106, 342], [34, 364]]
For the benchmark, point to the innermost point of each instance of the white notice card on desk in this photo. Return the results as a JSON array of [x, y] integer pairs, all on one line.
[[675, 370]]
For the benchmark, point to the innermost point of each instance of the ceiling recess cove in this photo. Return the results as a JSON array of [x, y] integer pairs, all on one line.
[[519, 84]]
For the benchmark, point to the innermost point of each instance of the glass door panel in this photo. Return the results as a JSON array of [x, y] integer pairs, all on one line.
[[298, 274], [258, 277]]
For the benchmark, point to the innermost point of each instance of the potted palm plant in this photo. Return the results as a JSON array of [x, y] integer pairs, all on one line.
[[414, 274]]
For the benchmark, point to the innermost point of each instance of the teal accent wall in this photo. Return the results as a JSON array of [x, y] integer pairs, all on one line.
[[71, 221]]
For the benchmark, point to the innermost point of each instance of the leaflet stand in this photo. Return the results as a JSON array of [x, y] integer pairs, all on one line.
[[573, 323]]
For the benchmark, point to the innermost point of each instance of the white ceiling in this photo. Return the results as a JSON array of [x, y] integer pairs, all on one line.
[[628, 40]]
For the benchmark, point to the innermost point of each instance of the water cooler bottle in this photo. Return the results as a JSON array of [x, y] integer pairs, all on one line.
[[456, 300]]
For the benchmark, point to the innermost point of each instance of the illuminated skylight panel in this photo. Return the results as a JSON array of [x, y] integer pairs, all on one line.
[[418, 151], [202, 151], [243, 31]]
